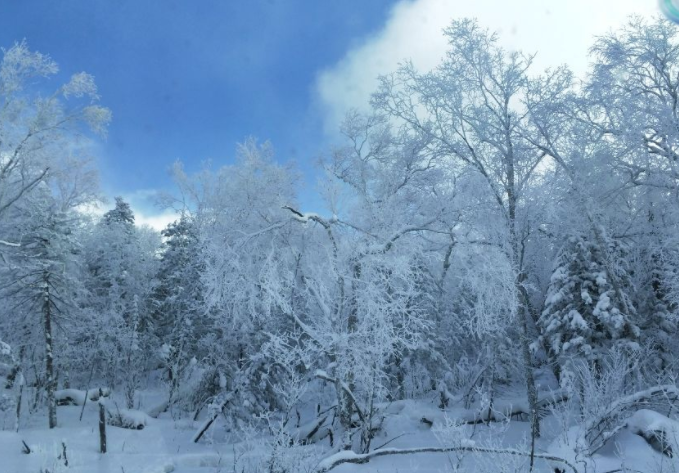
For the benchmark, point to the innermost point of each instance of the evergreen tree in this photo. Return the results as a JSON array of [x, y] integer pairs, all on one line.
[[584, 314], [121, 266], [659, 324], [117, 264], [177, 301], [44, 283], [121, 214], [178, 289]]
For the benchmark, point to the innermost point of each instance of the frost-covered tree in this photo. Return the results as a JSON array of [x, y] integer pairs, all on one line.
[[613, 140], [43, 286], [119, 270], [657, 267], [385, 184], [178, 319], [583, 317], [121, 215], [35, 129], [633, 96], [469, 111], [43, 178], [241, 236], [121, 264]]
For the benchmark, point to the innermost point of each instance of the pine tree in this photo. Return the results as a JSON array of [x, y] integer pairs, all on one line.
[[121, 214], [177, 300], [115, 262], [44, 281], [659, 324], [121, 267], [583, 314]]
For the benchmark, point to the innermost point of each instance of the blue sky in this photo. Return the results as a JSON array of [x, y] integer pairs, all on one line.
[[188, 79]]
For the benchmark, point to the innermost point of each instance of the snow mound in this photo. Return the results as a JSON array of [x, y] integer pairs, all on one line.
[[661, 433], [76, 397], [127, 418]]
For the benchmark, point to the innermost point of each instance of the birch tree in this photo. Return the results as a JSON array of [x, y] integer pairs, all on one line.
[[36, 130], [470, 110]]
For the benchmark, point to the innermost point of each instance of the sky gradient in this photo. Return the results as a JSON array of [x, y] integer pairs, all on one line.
[[188, 79]]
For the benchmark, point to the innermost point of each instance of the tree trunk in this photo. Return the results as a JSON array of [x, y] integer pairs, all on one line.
[[344, 401], [532, 390], [524, 313], [524, 302], [102, 423], [50, 384], [491, 389], [18, 401], [345, 410]]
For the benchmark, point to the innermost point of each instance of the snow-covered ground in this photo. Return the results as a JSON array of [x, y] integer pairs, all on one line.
[[165, 444]]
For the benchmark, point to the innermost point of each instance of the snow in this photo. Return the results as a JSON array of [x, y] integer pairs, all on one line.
[[305, 217], [127, 418], [165, 444], [647, 420], [577, 322], [5, 349], [409, 302], [321, 374], [343, 455], [650, 424], [77, 397]]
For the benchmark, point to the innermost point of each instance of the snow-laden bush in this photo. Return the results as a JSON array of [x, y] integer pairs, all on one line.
[[126, 418], [11, 381]]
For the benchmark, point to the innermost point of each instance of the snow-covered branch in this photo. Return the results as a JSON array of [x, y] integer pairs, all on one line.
[[603, 427], [350, 457], [320, 374]]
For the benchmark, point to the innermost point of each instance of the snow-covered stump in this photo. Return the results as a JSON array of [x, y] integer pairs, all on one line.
[[70, 397]]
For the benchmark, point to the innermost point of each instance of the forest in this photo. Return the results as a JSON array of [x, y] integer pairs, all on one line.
[[489, 283]]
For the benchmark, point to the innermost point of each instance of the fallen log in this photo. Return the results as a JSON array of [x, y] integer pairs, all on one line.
[[348, 456], [210, 420], [501, 413]]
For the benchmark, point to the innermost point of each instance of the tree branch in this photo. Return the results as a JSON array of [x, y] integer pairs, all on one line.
[[350, 457]]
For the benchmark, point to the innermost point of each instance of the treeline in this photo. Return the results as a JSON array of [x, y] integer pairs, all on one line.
[[486, 224]]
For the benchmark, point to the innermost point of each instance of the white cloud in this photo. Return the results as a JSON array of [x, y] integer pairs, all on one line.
[[141, 204], [92, 210], [146, 212], [156, 221], [561, 32]]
